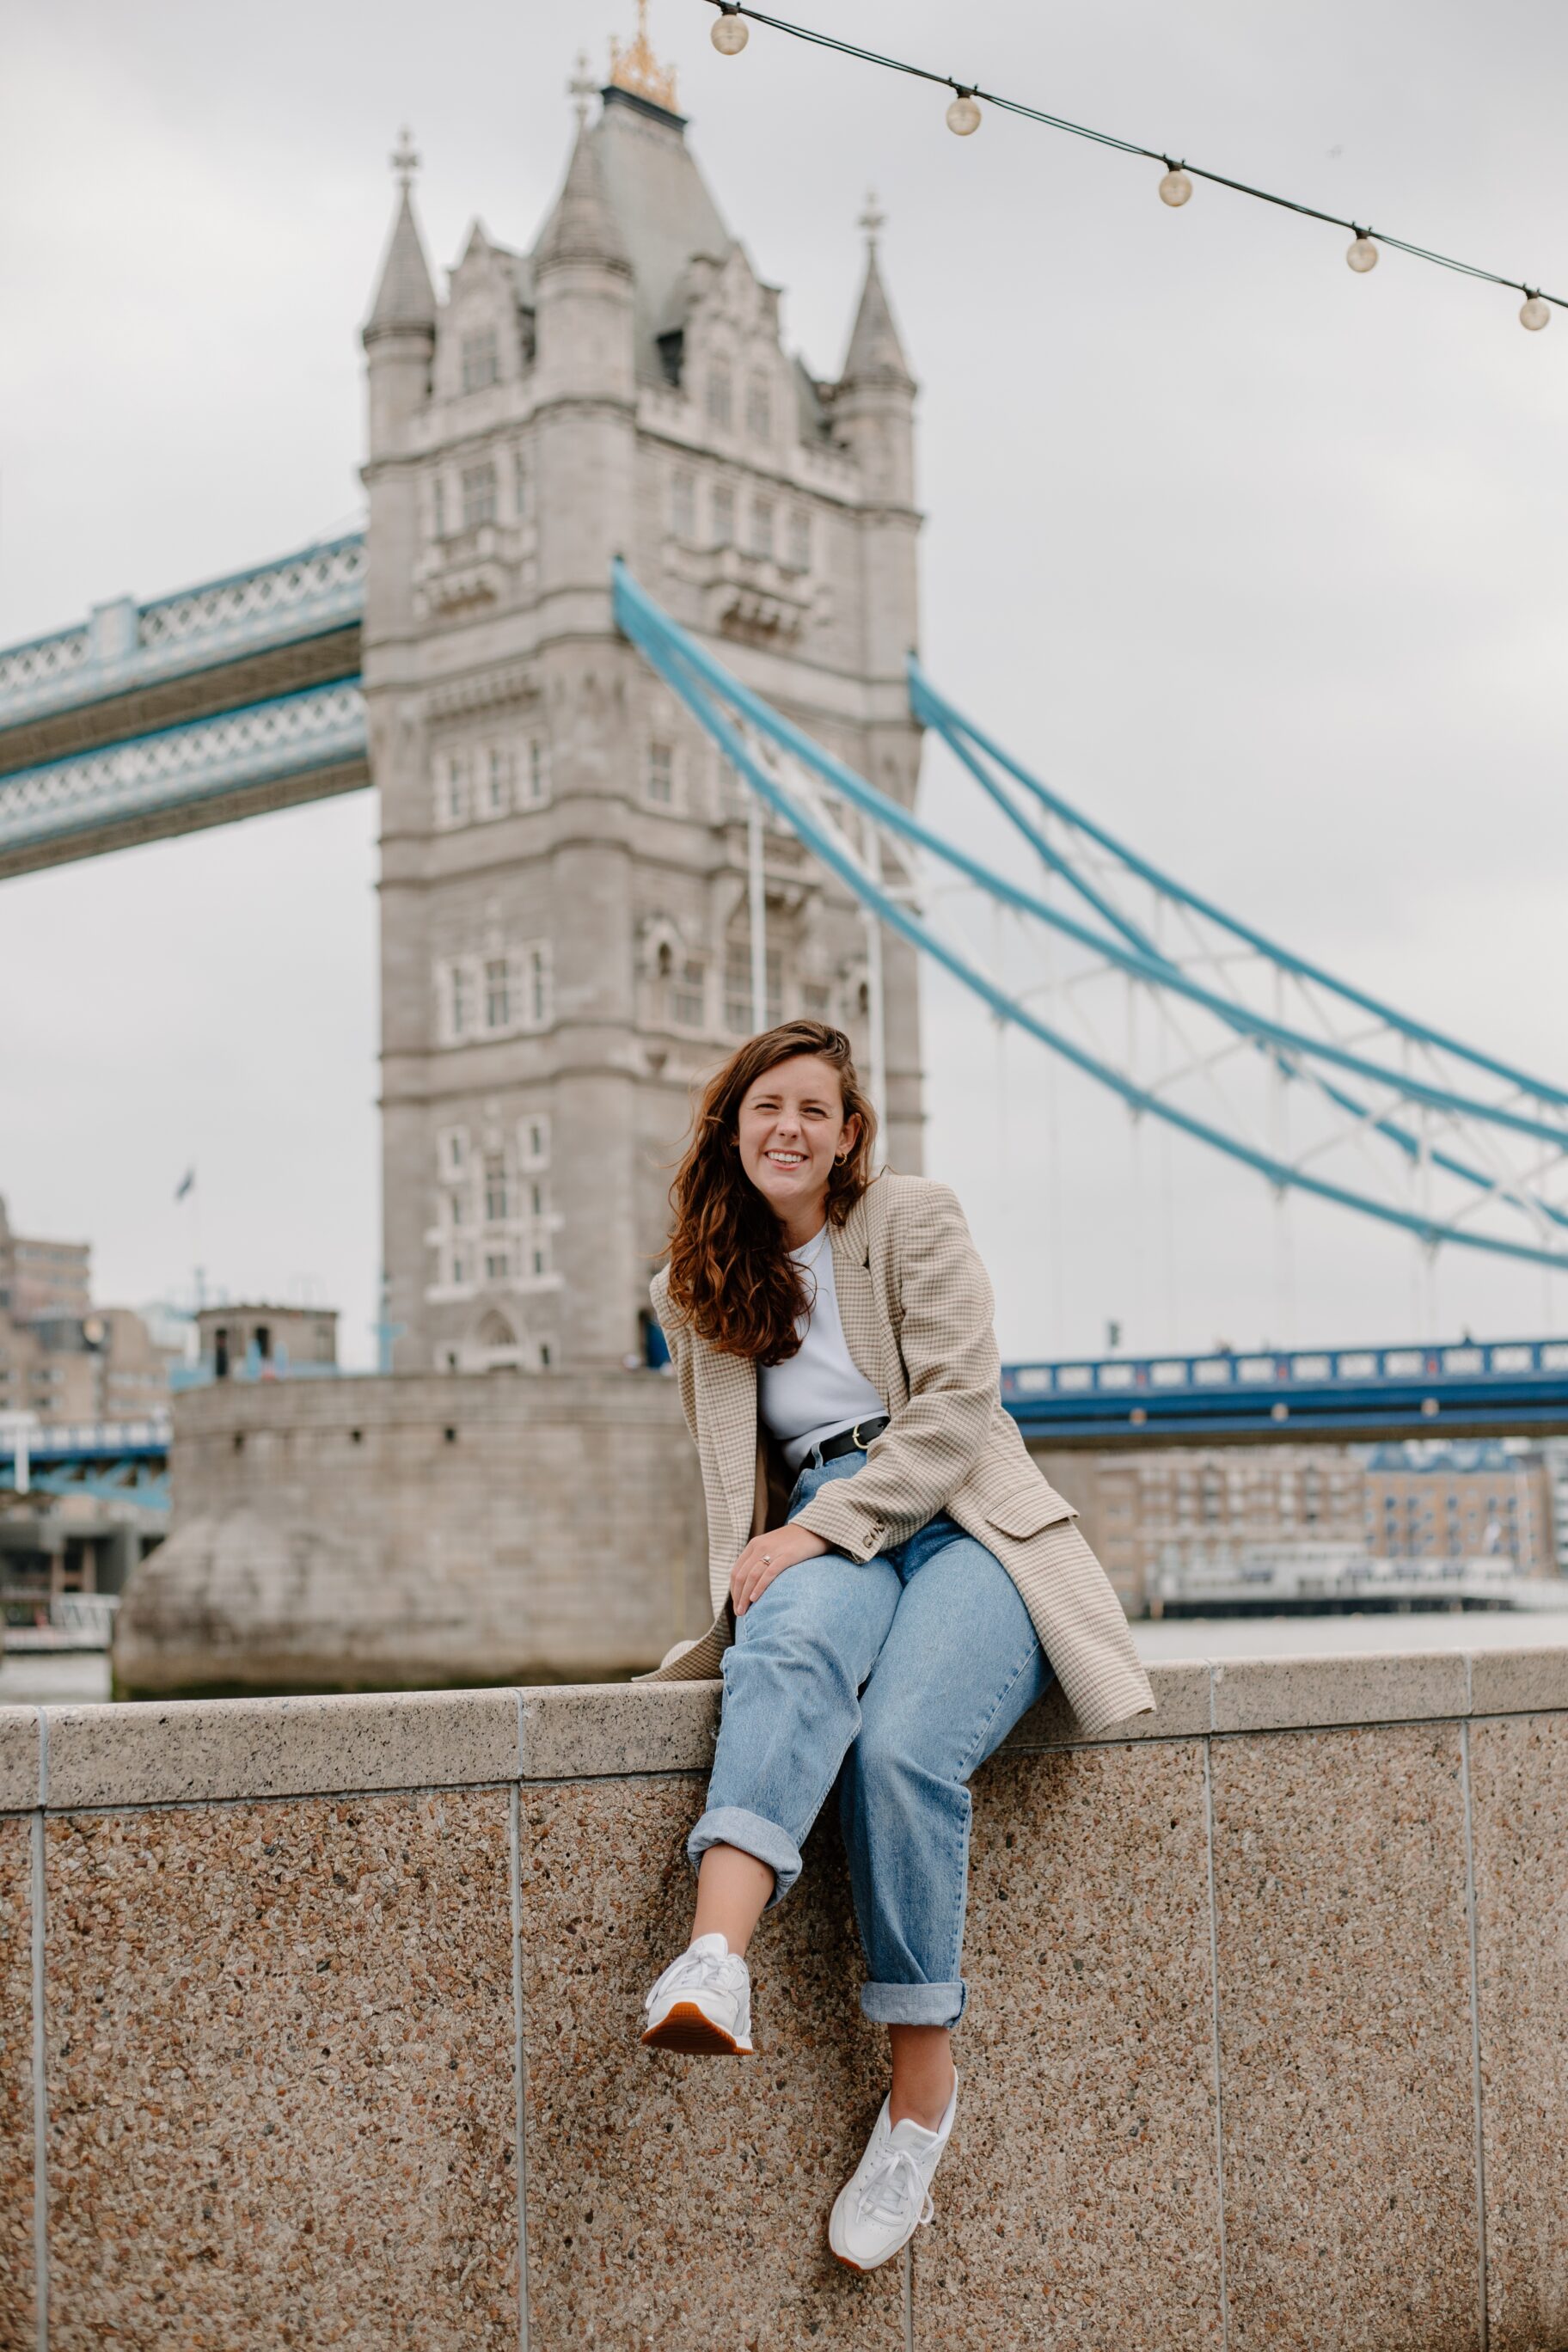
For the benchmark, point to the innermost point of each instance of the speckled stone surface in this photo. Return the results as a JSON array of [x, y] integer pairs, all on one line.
[[18, 1757], [1514, 1682], [166, 1751], [1180, 1689], [1077, 2206], [17, 2322], [1384, 1686], [681, 2202], [1346, 2042], [1519, 1802], [281, 2077], [582, 1730]]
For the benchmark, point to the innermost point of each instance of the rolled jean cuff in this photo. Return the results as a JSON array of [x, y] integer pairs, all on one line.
[[732, 1825], [914, 2004]]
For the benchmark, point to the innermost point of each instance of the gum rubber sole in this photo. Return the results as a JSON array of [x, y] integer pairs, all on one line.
[[687, 2029]]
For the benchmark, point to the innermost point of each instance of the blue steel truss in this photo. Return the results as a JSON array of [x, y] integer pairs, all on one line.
[[314, 732], [126, 646], [1186, 1015]]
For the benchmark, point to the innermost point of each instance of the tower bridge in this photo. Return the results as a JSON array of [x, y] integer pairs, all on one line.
[[626, 647]]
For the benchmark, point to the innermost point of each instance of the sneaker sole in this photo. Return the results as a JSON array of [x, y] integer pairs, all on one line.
[[864, 2270], [688, 2030]]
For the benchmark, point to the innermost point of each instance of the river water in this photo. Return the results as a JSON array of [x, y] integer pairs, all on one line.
[[78, 1678]]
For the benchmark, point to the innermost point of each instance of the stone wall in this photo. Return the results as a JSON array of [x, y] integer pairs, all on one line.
[[1266, 2046], [419, 1531]]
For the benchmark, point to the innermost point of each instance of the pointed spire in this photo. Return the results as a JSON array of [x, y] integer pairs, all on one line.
[[583, 227], [875, 355], [406, 297]]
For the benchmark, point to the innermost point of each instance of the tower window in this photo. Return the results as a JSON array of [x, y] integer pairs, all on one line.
[[519, 484], [661, 774], [738, 1005], [452, 789], [683, 505], [481, 363], [759, 408], [533, 1142], [461, 1000], [497, 994], [720, 397], [439, 507], [761, 540], [497, 780], [688, 996], [799, 539], [723, 515], [536, 966], [538, 771], [479, 496]]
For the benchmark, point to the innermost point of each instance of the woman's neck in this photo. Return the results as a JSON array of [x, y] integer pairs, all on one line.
[[803, 1223]]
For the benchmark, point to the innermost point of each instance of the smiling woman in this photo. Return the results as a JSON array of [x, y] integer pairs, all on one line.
[[894, 1583]]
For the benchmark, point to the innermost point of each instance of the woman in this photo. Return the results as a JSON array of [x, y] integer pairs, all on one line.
[[895, 1582]]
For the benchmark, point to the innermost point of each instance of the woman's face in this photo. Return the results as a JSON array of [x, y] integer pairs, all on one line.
[[791, 1131]]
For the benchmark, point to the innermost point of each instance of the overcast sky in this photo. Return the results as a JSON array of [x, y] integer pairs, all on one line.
[[1263, 563]]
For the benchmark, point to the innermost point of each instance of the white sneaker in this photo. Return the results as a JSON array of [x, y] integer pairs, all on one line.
[[886, 2197], [702, 2002]]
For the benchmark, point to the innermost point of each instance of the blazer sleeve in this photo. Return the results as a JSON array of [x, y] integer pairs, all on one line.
[[675, 1339], [949, 1349]]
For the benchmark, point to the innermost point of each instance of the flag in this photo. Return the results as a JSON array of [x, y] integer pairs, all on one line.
[[186, 1181]]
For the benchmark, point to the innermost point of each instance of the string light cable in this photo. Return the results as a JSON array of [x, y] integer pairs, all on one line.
[[965, 114]]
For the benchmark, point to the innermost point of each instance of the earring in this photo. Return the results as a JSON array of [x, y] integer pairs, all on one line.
[[839, 1158]]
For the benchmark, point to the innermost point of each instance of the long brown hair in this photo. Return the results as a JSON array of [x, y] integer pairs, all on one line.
[[731, 1277]]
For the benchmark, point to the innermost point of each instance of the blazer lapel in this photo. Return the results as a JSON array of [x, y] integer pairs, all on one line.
[[857, 1304]]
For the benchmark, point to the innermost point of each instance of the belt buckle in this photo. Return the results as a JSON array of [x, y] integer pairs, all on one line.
[[855, 1438]]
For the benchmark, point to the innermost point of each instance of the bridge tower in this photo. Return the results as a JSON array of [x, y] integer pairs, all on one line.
[[565, 945]]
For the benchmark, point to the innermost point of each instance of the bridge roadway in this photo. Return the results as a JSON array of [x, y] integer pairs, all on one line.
[[195, 709], [1344, 1395]]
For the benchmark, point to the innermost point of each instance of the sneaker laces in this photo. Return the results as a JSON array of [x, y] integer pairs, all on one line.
[[695, 1972], [890, 2185]]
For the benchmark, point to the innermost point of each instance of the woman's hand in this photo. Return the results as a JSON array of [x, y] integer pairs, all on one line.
[[767, 1556]]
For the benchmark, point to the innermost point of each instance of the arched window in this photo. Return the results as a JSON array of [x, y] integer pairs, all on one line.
[[759, 408]]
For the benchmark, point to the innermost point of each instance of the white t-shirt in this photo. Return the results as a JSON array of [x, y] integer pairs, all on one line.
[[818, 1391]]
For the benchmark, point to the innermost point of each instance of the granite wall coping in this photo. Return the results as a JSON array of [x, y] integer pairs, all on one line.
[[191, 1751]]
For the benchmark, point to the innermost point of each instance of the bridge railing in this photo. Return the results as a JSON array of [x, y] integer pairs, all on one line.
[[1508, 1359]]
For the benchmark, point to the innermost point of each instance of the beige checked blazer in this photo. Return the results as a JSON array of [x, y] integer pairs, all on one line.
[[917, 1308]]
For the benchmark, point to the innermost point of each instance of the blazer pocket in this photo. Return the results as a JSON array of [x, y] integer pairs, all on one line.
[[1024, 1510]]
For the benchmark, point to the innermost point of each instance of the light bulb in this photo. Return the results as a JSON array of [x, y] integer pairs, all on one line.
[[964, 115], [1535, 313], [1175, 187], [1362, 254], [730, 34]]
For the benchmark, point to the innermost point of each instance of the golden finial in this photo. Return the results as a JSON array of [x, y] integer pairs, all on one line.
[[635, 68]]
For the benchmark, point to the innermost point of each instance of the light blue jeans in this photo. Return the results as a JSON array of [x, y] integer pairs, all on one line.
[[907, 1670]]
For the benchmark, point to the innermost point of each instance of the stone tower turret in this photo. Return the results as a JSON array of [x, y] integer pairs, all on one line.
[[565, 941], [399, 340]]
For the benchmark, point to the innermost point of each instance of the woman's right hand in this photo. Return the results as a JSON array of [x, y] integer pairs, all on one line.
[[767, 1556]]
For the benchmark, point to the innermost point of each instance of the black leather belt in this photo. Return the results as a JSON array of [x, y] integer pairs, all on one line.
[[847, 1441]]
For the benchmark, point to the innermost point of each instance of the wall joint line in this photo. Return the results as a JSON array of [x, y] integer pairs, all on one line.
[[1218, 2092], [40, 2090], [1473, 1939], [520, 2155]]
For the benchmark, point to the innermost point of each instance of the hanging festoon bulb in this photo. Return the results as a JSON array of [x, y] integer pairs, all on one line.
[[963, 115], [1534, 313], [1175, 187], [730, 32], [1362, 254]]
